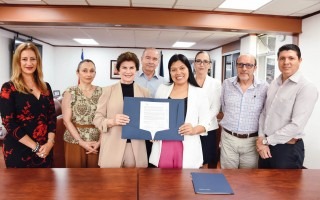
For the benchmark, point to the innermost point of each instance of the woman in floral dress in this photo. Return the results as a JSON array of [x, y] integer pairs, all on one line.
[[79, 103], [27, 111]]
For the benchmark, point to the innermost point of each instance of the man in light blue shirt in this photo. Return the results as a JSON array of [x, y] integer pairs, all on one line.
[[147, 76], [242, 101]]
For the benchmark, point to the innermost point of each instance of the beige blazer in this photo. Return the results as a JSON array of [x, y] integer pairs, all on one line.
[[112, 146]]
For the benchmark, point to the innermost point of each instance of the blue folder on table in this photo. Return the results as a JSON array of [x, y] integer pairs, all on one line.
[[132, 129], [210, 183]]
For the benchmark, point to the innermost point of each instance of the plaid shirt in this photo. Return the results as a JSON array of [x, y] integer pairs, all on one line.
[[242, 109]]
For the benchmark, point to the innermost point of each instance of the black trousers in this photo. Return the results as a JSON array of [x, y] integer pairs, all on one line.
[[209, 149], [284, 156]]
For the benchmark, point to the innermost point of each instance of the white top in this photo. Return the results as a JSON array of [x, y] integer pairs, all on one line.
[[213, 90], [197, 114]]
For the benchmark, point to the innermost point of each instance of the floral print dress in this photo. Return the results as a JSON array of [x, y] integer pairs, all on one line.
[[83, 111], [24, 114]]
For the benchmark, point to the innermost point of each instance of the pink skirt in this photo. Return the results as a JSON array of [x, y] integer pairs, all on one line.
[[171, 154]]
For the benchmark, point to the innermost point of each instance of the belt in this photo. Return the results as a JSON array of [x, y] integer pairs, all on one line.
[[238, 135], [84, 125], [293, 141]]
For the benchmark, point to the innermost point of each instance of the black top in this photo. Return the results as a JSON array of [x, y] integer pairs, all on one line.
[[24, 114], [127, 91], [185, 106]]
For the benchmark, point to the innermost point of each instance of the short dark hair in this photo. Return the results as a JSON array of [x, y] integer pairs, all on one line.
[[288, 47], [83, 61], [184, 60], [127, 56]]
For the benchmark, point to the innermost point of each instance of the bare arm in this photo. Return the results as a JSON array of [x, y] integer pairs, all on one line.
[[67, 120]]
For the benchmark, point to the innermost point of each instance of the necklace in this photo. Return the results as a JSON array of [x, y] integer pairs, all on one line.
[[31, 88], [30, 84]]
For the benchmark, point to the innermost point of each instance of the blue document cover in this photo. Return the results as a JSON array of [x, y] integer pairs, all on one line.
[[210, 183], [132, 129]]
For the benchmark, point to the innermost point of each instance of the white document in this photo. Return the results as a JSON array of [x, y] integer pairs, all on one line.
[[154, 116]]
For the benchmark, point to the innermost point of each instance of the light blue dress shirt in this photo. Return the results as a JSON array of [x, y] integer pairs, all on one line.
[[152, 84]]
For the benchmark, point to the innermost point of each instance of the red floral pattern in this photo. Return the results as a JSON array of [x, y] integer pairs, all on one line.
[[24, 114]]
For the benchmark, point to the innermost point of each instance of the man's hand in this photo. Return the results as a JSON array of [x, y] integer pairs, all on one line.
[[263, 150]]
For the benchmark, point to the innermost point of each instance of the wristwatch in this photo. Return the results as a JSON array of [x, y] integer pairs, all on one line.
[[265, 141]]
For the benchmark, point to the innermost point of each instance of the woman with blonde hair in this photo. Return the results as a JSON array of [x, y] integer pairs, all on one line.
[[27, 111]]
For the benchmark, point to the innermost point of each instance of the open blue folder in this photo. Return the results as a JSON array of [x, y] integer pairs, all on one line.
[[132, 129], [210, 183]]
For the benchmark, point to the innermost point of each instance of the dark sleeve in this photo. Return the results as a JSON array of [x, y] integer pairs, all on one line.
[[8, 111], [52, 117]]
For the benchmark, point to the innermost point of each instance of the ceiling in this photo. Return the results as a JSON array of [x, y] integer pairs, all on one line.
[[146, 37]]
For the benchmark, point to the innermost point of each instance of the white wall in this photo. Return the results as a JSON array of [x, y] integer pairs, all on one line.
[[66, 60], [5, 55], [216, 55], [48, 67], [248, 45], [309, 43]]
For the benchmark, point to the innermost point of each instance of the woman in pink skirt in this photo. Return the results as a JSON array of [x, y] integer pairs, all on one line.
[[188, 153]]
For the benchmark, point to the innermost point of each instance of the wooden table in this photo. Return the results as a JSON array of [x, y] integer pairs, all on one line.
[[247, 184], [68, 184], [153, 184]]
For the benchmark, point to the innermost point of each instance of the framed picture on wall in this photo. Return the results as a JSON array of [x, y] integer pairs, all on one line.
[[56, 93], [114, 73]]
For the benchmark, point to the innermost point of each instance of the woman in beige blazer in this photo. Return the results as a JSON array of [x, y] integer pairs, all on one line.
[[114, 151]]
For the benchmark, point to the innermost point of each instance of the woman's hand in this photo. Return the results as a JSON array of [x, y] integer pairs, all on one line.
[[45, 150], [186, 129], [88, 146], [96, 146], [121, 119]]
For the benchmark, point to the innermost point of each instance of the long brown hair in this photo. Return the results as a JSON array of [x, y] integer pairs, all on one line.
[[17, 78]]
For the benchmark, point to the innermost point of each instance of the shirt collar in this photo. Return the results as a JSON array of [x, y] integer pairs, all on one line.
[[294, 77], [141, 73], [255, 81]]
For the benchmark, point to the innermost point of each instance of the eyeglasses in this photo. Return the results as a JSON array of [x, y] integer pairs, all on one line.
[[247, 65], [205, 62]]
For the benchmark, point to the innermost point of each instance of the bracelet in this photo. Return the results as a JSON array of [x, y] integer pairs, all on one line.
[[36, 149], [51, 140]]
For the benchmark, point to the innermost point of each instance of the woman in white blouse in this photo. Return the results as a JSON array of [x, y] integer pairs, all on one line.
[[188, 153], [202, 64]]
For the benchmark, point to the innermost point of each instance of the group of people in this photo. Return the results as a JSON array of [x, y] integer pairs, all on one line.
[[262, 125]]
